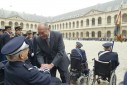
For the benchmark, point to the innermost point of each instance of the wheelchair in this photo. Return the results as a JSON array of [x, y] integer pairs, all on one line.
[[77, 73], [102, 71]]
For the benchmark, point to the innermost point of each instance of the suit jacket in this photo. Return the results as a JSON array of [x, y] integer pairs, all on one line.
[[110, 56], [79, 53], [125, 79], [55, 53]]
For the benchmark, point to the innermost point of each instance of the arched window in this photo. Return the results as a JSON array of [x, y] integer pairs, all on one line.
[[66, 35], [31, 26], [87, 34], [93, 21], [99, 34], [69, 35], [2, 23], [73, 34], [21, 24], [77, 24], [10, 23], [73, 24], [81, 23], [63, 25], [124, 18], [99, 21], [35, 26], [109, 20], [16, 24], [108, 34], [93, 34], [87, 22], [69, 24], [27, 25], [81, 34], [66, 25]]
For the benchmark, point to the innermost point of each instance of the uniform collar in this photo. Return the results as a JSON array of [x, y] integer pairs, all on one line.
[[17, 63]]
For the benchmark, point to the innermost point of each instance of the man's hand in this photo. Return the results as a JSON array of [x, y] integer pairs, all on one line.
[[47, 66]]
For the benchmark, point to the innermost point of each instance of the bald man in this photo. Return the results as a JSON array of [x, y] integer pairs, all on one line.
[[51, 52]]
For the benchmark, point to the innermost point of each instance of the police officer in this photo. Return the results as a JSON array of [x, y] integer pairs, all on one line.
[[78, 52], [31, 54], [18, 31], [5, 37], [107, 55], [17, 72]]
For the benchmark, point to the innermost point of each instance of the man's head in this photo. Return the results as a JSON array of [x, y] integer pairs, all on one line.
[[29, 34], [18, 30], [107, 46], [78, 45], [43, 30], [16, 49], [8, 29]]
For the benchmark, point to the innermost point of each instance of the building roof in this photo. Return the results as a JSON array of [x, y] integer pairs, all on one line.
[[105, 7], [25, 16]]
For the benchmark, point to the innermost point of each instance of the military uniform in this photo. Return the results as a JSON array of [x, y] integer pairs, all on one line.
[[18, 28], [107, 56], [5, 37], [19, 72], [80, 54]]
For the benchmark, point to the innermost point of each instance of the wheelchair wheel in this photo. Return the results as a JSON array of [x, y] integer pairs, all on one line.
[[113, 79], [80, 80], [91, 78]]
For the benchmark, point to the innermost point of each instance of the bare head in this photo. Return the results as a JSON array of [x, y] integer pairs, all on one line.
[[43, 30]]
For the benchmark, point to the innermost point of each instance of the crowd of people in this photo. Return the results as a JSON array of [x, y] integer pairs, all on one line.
[[45, 51]]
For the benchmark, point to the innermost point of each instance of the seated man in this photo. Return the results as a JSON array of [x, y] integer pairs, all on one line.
[[17, 72], [107, 55], [80, 53]]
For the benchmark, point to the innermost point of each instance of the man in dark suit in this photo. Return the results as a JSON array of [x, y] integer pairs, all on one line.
[[80, 53], [18, 31], [51, 52], [107, 55], [17, 71], [125, 79], [5, 37]]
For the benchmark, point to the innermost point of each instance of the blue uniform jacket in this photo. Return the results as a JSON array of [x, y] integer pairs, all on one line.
[[20, 73], [109, 56], [78, 52]]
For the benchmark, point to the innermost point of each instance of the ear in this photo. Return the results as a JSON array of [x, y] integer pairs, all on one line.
[[21, 56]]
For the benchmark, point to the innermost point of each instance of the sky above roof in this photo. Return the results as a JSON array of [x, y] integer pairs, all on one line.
[[48, 7]]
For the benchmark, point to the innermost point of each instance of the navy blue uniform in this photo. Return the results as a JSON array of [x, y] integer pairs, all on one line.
[[109, 56], [80, 53], [20, 73]]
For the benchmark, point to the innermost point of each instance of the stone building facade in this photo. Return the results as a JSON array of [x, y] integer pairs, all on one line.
[[92, 22]]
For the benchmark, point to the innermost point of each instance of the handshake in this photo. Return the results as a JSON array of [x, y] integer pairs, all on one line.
[[46, 67]]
